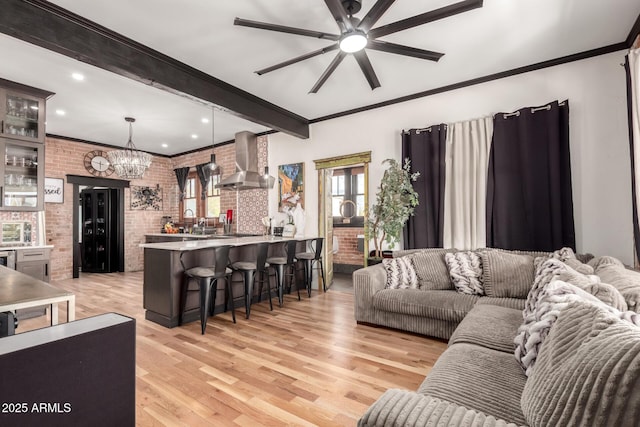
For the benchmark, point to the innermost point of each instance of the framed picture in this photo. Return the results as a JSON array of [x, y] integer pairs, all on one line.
[[146, 198], [54, 190], [290, 186]]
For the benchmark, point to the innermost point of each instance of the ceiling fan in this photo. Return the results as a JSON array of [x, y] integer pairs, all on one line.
[[356, 34]]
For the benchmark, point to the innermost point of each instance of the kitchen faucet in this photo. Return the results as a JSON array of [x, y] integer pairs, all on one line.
[[193, 215]]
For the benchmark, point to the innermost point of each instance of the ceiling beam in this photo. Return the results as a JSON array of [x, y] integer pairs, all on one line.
[[49, 26]]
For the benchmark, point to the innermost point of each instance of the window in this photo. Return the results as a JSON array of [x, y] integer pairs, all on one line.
[[190, 208], [347, 190], [337, 193], [213, 197], [193, 207]]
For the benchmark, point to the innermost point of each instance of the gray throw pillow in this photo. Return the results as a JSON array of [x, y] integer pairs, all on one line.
[[432, 270], [506, 274], [626, 281], [400, 273], [465, 270]]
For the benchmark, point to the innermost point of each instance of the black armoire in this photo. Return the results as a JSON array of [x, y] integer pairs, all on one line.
[[99, 230]]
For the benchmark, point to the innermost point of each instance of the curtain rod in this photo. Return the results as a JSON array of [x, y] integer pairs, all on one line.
[[533, 110], [427, 129]]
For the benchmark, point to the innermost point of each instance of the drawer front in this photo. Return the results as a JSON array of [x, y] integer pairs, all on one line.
[[41, 254]]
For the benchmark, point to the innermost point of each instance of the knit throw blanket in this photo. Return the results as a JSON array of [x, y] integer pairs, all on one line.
[[547, 298]]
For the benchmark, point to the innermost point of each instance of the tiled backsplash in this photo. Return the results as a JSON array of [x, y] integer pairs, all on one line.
[[27, 217]]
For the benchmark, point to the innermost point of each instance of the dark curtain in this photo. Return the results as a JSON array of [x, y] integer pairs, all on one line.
[[636, 226], [426, 148], [529, 200], [204, 173], [181, 176]]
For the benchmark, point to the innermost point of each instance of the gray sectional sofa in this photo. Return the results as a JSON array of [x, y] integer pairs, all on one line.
[[436, 308], [587, 363]]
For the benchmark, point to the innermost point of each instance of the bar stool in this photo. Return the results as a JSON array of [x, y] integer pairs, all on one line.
[[309, 259], [207, 278], [285, 266], [249, 270]]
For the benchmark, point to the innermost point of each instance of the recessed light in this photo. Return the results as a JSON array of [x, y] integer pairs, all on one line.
[[165, 145], [61, 112], [194, 136], [205, 120], [77, 76]]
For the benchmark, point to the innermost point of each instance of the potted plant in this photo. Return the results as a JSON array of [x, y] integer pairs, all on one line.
[[395, 203]]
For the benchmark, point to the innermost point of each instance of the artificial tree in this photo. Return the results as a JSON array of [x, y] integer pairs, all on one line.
[[395, 203]]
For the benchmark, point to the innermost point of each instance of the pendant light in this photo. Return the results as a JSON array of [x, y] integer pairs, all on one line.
[[266, 180], [130, 163], [212, 164]]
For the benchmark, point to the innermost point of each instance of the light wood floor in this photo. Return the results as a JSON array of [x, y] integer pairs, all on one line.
[[307, 363]]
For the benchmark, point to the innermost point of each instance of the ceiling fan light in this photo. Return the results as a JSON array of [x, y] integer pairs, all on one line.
[[353, 41]]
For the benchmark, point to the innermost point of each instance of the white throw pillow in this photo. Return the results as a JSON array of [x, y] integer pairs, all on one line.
[[465, 270], [401, 273]]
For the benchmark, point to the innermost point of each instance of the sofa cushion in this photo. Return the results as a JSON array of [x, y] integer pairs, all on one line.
[[400, 273], [441, 305], [465, 270], [506, 274], [478, 378], [432, 270], [517, 303], [588, 372], [489, 326], [409, 409], [626, 281]]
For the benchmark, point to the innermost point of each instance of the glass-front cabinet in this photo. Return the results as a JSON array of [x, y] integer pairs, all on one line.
[[22, 134], [23, 117], [22, 170]]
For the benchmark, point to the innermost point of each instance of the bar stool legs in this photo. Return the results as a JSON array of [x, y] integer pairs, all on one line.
[[248, 290], [280, 280]]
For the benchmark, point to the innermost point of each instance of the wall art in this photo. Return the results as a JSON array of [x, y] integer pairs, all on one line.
[[290, 186], [54, 190], [146, 198]]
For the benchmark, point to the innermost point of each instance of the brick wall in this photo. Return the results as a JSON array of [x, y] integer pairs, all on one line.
[[249, 206], [63, 157], [347, 246]]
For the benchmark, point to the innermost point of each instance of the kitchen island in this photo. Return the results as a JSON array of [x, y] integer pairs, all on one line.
[[164, 273]]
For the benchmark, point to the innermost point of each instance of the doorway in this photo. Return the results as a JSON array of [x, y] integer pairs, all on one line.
[[104, 236], [345, 205]]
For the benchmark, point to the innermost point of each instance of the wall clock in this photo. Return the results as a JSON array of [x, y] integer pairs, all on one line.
[[97, 163]]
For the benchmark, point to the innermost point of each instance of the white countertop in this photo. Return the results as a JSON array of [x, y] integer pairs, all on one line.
[[191, 245], [181, 235], [17, 248]]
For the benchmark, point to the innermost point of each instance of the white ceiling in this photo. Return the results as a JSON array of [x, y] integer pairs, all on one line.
[[502, 35]]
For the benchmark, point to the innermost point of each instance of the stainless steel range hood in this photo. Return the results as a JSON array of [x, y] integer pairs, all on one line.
[[246, 176]]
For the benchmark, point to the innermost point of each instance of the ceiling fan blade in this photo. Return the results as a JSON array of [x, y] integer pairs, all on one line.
[[404, 50], [375, 13], [298, 59], [340, 15], [423, 18], [330, 69], [285, 29], [367, 68]]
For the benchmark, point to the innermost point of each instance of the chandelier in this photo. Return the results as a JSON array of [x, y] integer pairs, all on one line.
[[130, 163]]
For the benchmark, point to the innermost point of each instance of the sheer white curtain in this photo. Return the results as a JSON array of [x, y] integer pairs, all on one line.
[[465, 196]]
